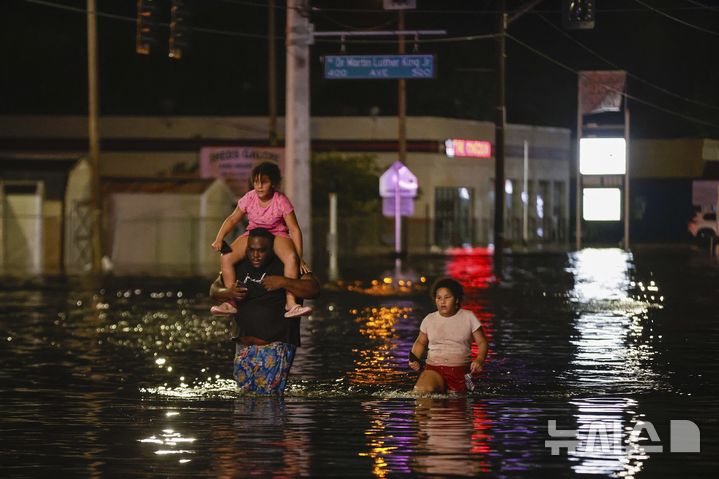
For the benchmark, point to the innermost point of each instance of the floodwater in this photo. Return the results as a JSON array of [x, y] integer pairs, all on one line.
[[132, 378]]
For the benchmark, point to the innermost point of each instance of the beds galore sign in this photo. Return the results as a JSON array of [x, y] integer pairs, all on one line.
[[234, 163]]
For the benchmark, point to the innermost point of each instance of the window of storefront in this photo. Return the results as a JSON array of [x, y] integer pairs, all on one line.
[[453, 222]]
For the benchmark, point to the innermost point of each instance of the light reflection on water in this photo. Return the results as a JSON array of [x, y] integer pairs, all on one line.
[[611, 347], [610, 350], [140, 376], [607, 423], [376, 364]]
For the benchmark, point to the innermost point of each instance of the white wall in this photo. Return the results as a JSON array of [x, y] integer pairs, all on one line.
[[22, 232], [154, 233], [216, 204]]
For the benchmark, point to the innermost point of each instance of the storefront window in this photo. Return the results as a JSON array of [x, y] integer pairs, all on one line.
[[453, 216]]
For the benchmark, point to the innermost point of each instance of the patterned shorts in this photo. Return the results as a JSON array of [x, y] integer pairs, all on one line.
[[263, 369]]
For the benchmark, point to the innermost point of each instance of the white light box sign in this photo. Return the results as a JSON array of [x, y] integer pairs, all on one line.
[[602, 156], [602, 204]]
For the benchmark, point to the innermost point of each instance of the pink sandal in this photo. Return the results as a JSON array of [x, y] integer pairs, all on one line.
[[224, 308], [297, 311]]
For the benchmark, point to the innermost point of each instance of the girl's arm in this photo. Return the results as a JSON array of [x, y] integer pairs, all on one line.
[[227, 225], [482, 346], [296, 235], [418, 348]]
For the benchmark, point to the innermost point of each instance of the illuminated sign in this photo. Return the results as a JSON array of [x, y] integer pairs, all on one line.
[[602, 204], [602, 156], [455, 147], [377, 67], [398, 179]]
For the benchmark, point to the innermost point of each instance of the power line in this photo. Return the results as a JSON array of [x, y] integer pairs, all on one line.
[[391, 21], [257, 35], [678, 20], [133, 20], [623, 93], [466, 38], [708, 7], [699, 7], [80, 10], [265, 6], [629, 74]]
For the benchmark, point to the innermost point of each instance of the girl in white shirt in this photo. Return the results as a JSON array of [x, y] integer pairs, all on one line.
[[449, 333]]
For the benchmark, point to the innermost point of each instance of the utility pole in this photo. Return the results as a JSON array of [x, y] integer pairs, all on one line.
[[402, 99], [297, 119], [500, 128], [578, 179], [500, 125], [272, 73], [94, 136], [626, 172]]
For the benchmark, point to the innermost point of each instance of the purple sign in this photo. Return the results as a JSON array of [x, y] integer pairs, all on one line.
[[406, 207], [398, 175]]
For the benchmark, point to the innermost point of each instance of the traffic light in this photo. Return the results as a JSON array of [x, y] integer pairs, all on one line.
[[578, 14], [179, 29], [146, 26]]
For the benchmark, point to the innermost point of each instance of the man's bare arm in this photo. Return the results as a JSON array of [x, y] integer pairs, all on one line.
[[306, 287]]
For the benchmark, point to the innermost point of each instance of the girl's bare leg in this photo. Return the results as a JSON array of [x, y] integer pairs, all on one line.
[[227, 261], [430, 382], [285, 250]]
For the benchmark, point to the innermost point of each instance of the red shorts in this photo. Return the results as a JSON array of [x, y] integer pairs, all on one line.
[[453, 376]]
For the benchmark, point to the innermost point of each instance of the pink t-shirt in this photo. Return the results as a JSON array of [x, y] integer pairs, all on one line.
[[270, 216], [450, 339]]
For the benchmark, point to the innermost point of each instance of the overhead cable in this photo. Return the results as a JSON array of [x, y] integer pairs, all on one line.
[[678, 20], [623, 93], [629, 74]]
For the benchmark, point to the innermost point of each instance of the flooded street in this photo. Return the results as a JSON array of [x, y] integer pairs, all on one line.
[[132, 377]]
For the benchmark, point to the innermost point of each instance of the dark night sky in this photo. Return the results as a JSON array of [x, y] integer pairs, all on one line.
[[44, 63]]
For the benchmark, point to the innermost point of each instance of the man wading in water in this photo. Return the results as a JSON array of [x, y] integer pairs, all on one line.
[[266, 340]]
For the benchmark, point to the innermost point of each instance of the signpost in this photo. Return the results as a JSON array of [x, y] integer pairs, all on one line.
[[398, 188], [378, 67]]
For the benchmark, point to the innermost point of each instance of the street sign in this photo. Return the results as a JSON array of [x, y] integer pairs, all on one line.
[[398, 179], [378, 67], [398, 188], [406, 207]]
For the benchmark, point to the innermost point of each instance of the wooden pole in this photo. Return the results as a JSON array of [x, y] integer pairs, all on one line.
[[500, 126], [94, 136]]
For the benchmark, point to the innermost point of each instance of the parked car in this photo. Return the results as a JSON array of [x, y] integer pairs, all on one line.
[[704, 225]]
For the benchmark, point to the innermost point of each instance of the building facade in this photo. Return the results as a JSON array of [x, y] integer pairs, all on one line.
[[456, 201]]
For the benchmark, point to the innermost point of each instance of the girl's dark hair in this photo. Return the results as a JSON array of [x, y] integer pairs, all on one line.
[[451, 284], [270, 170], [262, 233]]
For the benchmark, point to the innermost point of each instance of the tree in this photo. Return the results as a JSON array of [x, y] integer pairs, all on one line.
[[354, 177]]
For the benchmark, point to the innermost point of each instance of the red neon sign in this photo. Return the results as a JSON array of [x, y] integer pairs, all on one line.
[[455, 147]]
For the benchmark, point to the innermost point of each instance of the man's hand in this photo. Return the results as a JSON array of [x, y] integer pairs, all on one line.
[[235, 293], [273, 283], [414, 365]]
